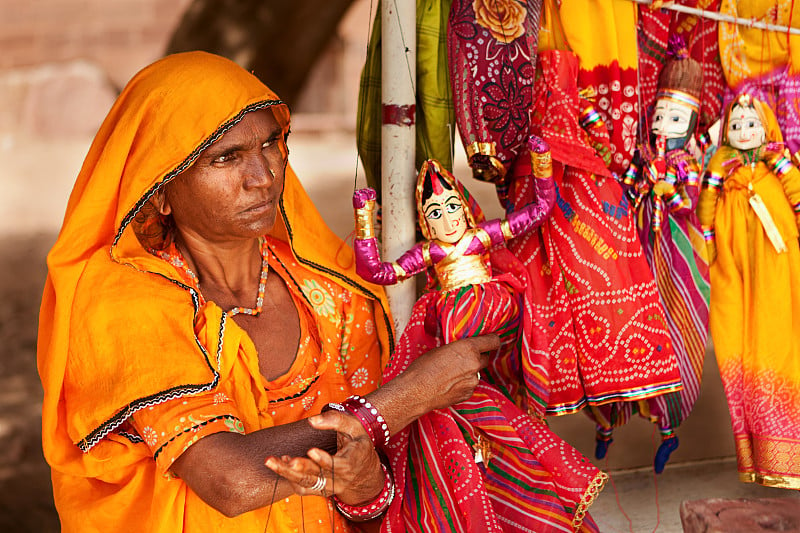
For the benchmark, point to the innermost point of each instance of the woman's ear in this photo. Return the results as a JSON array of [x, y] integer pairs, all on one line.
[[161, 202]]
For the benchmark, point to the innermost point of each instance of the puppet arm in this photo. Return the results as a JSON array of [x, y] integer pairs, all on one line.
[[592, 123], [535, 213], [368, 259], [679, 189], [790, 180], [707, 209]]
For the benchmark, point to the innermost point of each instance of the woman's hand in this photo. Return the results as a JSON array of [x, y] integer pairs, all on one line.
[[354, 474], [437, 379], [449, 374]]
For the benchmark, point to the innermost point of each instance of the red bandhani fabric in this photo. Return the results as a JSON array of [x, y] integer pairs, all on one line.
[[700, 36], [595, 299]]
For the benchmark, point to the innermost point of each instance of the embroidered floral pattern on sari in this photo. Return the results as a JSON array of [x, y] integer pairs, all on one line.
[[320, 298], [504, 19]]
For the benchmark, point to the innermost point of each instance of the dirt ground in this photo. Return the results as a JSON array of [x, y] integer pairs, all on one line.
[[26, 501]]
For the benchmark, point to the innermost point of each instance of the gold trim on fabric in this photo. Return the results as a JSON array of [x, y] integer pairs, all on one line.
[[505, 227], [588, 498], [481, 148], [399, 272], [484, 237], [457, 269], [426, 253], [779, 482], [542, 165]]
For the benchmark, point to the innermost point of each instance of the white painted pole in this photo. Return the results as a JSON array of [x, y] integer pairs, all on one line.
[[398, 82]]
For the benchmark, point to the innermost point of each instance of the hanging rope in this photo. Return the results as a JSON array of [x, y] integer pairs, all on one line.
[[713, 15], [362, 96]]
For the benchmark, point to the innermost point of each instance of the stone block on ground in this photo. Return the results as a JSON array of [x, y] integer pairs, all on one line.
[[719, 515]]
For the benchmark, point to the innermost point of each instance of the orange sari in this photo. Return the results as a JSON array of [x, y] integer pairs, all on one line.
[[110, 359]]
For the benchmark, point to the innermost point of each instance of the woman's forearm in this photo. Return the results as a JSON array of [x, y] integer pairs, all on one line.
[[227, 469]]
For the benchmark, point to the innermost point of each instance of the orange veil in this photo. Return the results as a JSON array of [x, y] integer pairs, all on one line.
[[165, 116]]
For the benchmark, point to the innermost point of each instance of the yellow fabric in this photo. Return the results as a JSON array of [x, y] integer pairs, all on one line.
[[105, 350], [746, 52], [604, 32], [755, 312]]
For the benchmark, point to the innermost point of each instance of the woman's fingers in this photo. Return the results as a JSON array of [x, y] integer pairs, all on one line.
[[337, 421], [306, 475]]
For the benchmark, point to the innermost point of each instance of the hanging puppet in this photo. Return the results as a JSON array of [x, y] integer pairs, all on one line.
[[749, 209], [457, 461], [597, 315], [764, 64], [664, 181], [657, 30]]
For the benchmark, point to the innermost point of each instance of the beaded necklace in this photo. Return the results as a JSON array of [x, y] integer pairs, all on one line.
[[174, 256]]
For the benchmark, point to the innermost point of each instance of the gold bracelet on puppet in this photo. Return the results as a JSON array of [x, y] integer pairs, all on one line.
[[365, 228], [542, 165]]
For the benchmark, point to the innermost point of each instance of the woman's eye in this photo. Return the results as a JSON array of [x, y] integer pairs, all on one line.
[[224, 158], [657, 118], [452, 208], [736, 127], [676, 119], [433, 214], [751, 124]]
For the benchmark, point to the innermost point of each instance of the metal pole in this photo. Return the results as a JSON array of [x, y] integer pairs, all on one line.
[[398, 82]]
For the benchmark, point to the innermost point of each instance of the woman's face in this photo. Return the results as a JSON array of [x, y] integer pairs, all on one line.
[[233, 189], [445, 216], [745, 130]]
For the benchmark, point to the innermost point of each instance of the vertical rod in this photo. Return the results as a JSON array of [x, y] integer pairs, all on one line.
[[398, 80]]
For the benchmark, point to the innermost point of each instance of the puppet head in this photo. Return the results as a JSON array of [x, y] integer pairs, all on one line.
[[678, 98], [445, 210], [749, 123]]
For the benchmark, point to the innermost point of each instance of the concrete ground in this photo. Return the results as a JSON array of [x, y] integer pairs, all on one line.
[[35, 182]]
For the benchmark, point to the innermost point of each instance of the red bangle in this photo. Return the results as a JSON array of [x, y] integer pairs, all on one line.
[[373, 509], [369, 417]]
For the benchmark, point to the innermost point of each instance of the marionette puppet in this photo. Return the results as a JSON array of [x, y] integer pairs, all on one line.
[[749, 209], [489, 463], [664, 186]]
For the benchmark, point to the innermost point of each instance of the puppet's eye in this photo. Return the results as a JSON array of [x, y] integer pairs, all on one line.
[[452, 208], [433, 214]]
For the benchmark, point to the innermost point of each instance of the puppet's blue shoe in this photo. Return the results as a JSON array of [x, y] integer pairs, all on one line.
[[601, 449], [665, 449]]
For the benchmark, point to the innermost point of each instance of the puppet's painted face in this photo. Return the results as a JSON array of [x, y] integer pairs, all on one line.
[[445, 216], [745, 130], [671, 119]]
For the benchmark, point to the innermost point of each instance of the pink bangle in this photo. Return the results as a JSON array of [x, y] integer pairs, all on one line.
[[373, 509]]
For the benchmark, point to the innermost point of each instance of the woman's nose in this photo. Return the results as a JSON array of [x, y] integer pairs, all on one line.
[[259, 172]]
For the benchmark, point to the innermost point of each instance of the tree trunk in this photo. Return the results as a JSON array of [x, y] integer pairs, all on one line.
[[278, 40]]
